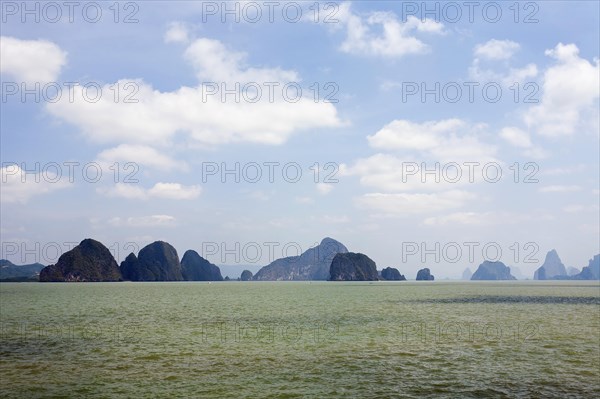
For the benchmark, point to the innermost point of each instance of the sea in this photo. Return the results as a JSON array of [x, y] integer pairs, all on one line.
[[446, 339]]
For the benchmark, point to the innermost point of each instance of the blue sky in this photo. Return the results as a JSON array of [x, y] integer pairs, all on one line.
[[366, 58]]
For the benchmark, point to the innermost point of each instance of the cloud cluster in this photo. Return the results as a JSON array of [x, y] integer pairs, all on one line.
[[403, 204], [444, 140], [141, 155], [497, 49], [156, 117], [18, 186], [178, 32], [31, 61], [521, 139], [398, 175], [396, 39], [492, 63], [173, 191], [571, 89], [143, 221]]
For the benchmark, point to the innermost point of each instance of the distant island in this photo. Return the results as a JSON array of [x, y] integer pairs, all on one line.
[[391, 274], [425, 275], [312, 264], [492, 271], [11, 272], [91, 261], [554, 269]]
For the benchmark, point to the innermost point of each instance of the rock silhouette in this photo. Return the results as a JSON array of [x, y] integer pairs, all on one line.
[[88, 261], [312, 264], [352, 267]]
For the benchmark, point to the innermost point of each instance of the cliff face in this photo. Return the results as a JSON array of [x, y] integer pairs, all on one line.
[[352, 267], [155, 262], [196, 268], [552, 268], [591, 271], [492, 271], [312, 264], [594, 266], [130, 268], [88, 261]]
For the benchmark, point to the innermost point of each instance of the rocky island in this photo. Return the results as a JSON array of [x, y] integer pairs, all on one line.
[[313, 264], [392, 274], [11, 272], [196, 268], [492, 271], [88, 261], [155, 262], [552, 268], [351, 266], [425, 275]]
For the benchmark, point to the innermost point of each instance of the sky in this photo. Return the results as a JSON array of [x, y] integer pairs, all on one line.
[[434, 134]]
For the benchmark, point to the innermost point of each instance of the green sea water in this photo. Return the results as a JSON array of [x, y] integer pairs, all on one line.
[[300, 340]]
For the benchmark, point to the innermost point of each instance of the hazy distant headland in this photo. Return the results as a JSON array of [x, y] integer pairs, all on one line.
[[91, 261]]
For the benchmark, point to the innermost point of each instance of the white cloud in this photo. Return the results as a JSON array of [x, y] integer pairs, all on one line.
[[174, 191], [389, 173], [324, 188], [123, 190], [564, 170], [31, 61], [571, 89], [506, 77], [386, 204], [143, 221], [497, 49], [284, 222], [140, 155], [451, 140], [18, 186], [495, 218], [521, 139], [536, 153], [259, 195], [388, 85], [433, 165], [487, 68], [516, 137], [522, 76], [464, 218], [396, 39], [214, 62], [178, 32], [305, 200], [578, 208], [427, 25], [204, 119], [559, 189], [329, 219], [575, 208]]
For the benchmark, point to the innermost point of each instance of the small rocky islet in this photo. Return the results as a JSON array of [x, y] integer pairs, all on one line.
[[391, 274]]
